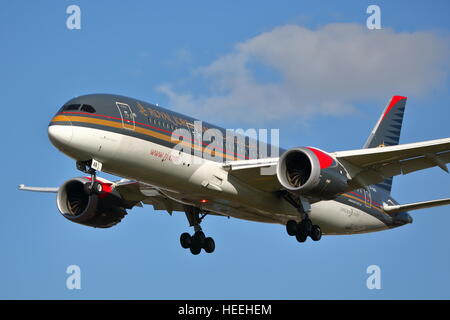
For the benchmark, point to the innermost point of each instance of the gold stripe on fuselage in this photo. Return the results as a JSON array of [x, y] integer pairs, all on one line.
[[363, 202], [140, 130]]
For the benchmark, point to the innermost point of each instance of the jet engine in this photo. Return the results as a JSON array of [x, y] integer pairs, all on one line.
[[311, 173], [100, 209]]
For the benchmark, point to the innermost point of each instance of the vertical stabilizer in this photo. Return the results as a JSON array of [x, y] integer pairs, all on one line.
[[387, 130]]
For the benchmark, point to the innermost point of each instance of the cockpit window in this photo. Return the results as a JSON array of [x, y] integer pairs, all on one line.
[[87, 108], [71, 107]]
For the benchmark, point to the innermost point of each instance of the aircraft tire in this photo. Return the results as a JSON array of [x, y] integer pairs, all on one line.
[[195, 249], [97, 188], [316, 233], [199, 237], [185, 240], [301, 234], [291, 227], [306, 225], [209, 245]]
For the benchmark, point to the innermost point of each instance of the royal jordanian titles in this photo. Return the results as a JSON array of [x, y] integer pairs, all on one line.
[[309, 191]]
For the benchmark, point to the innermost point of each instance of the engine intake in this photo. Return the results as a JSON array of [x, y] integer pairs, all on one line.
[[311, 173], [98, 211]]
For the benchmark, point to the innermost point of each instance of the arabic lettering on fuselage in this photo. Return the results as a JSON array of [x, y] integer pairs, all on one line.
[[180, 122]]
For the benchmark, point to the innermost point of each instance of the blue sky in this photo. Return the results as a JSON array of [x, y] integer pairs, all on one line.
[[137, 48]]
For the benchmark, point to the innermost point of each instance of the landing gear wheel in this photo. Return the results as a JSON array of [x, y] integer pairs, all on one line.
[[199, 237], [316, 233], [303, 230], [198, 240], [306, 225], [185, 240], [291, 227], [209, 245], [87, 189], [301, 236], [97, 187], [93, 188], [195, 250]]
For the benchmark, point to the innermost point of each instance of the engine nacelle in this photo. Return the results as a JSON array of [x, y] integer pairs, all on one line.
[[99, 211], [311, 173]]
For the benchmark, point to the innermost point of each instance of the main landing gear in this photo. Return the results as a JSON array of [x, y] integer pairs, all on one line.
[[88, 167], [301, 230], [198, 240]]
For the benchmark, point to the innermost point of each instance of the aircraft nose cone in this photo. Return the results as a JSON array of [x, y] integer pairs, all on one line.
[[60, 134]]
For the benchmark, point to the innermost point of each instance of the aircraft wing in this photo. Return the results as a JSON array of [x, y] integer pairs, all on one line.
[[365, 166], [136, 191], [132, 192], [373, 165]]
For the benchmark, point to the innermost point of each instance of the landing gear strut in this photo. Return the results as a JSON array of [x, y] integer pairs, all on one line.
[[198, 240], [301, 230], [94, 187]]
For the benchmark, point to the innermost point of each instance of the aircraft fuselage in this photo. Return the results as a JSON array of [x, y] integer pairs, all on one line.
[[133, 139]]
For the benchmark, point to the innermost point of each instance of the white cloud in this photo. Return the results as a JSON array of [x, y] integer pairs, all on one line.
[[323, 71]]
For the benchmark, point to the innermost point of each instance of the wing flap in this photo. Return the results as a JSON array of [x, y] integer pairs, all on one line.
[[377, 175], [258, 173], [427, 161]]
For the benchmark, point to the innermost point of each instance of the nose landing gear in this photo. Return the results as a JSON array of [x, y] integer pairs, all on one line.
[[198, 240], [90, 167]]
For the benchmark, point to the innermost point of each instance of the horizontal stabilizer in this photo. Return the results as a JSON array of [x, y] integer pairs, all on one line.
[[38, 189], [416, 205]]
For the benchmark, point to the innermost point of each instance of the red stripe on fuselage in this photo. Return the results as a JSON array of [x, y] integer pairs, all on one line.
[[362, 197]]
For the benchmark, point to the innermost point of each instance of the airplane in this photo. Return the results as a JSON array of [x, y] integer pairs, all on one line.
[[308, 190]]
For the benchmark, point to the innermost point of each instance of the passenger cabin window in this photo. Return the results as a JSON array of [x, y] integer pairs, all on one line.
[[87, 108], [71, 107]]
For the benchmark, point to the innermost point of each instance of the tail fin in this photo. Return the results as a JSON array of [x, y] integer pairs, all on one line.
[[387, 130]]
